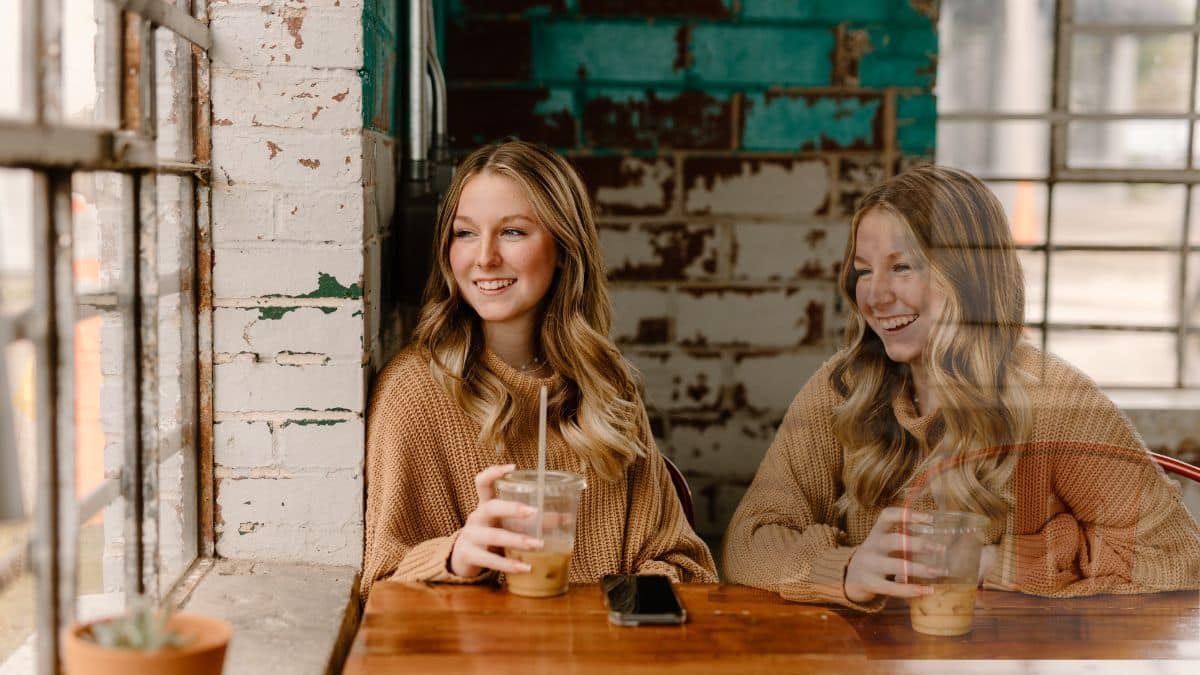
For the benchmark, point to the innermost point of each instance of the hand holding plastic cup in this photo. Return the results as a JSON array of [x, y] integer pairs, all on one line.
[[560, 505], [957, 539]]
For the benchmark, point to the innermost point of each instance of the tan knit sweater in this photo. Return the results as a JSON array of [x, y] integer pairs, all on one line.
[[1089, 511], [422, 457]]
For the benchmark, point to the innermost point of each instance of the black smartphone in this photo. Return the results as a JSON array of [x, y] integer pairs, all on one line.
[[634, 600]]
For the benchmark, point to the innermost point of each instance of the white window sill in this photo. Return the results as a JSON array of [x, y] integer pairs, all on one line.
[[288, 618]]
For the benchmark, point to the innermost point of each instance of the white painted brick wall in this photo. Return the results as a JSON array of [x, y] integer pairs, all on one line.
[[246, 37], [778, 317], [243, 386], [784, 252], [316, 519], [291, 98], [333, 331], [283, 271], [770, 381], [287, 157], [319, 216], [771, 188], [732, 447], [646, 192], [677, 381], [242, 213], [631, 306], [326, 445], [242, 444]]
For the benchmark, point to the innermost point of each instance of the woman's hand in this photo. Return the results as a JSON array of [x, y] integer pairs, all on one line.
[[987, 560], [482, 540], [873, 565]]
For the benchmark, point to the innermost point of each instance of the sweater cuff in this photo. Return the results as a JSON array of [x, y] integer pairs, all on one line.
[[660, 567], [1003, 572], [827, 581], [430, 561]]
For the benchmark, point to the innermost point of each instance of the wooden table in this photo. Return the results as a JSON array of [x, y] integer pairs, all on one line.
[[419, 628]]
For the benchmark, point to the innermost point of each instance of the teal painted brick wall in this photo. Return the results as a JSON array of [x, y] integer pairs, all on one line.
[[380, 73], [725, 144]]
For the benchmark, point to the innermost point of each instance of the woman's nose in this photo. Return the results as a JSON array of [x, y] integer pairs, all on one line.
[[879, 291], [489, 253]]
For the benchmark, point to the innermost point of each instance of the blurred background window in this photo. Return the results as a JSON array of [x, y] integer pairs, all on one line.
[[99, 473], [1081, 115]]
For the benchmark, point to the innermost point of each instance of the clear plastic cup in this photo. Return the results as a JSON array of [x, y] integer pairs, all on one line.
[[551, 565], [959, 539]]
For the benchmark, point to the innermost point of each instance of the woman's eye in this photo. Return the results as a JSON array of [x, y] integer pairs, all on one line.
[[512, 232], [461, 234], [902, 267], [861, 272]]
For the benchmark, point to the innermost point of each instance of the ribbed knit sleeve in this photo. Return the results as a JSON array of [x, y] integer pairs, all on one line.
[[1124, 528], [411, 503], [783, 536], [669, 546]]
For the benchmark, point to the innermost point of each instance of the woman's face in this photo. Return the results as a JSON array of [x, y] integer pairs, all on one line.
[[893, 290], [502, 258]]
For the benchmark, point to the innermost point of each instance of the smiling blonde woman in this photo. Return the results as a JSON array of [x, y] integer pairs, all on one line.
[[517, 301], [936, 402]]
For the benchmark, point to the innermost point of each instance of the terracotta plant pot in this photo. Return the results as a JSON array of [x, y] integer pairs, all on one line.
[[204, 653]]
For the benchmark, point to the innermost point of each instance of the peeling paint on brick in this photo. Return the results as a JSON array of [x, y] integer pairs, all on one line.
[[273, 148], [329, 287], [274, 313], [667, 252], [815, 331], [735, 185], [628, 185], [293, 18], [480, 116], [653, 331], [641, 119], [312, 422], [310, 163]]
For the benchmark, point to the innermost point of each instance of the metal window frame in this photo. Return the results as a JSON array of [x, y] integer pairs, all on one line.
[[53, 151], [1058, 118]]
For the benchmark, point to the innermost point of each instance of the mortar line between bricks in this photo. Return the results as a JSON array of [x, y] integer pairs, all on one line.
[[286, 301], [284, 416]]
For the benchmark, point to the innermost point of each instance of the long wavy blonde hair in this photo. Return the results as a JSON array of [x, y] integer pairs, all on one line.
[[598, 407], [956, 227]]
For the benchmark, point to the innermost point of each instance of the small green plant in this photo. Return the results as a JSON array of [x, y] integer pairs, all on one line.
[[143, 628]]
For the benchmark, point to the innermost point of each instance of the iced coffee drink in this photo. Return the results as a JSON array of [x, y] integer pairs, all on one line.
[[957, 543], [559, 505], [548, 576], [949, 610]]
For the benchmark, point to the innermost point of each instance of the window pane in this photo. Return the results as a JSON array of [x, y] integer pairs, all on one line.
[[1127, 73], [10, 60], [1105, 356], [16, 239], [1001, 55], [177, 518], [1192, 295], [1118, 213], [1118, 288], [1025, 205], [1134, 11], [1145, 144], [1191, 360], [79, 62], [1194, 229], [18, 471], [1033, 264], [1007, 149]]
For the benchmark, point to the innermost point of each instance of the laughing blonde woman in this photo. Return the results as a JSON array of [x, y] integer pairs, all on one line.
[[936, 402], [517, 301]]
